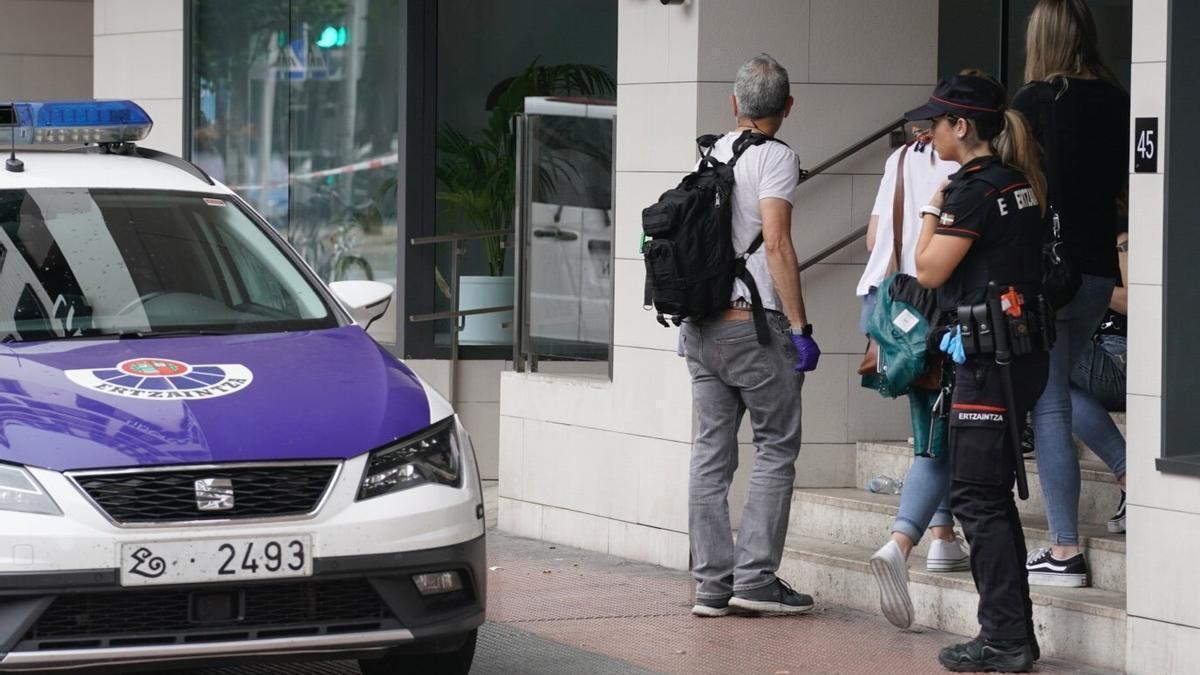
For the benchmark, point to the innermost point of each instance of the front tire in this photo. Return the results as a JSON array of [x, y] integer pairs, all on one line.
[[400, 661]]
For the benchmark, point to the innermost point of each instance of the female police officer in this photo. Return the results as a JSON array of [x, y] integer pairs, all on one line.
[[981, 239]]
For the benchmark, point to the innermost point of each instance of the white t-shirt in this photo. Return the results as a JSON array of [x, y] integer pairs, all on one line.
[[767, 170], [923, 172]]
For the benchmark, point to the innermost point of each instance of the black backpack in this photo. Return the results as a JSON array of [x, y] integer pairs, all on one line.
[[690, 261]]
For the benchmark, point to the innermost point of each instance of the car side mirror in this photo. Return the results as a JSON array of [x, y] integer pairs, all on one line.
[[365, 300]]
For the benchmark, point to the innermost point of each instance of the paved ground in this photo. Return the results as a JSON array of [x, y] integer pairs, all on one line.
[[556, 610]]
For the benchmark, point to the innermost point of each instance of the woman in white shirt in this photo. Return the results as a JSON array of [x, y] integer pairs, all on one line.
[[924, 501]]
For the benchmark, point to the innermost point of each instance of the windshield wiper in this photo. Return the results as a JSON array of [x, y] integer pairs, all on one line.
[[147, 334]]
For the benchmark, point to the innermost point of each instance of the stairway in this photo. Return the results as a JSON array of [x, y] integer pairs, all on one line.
[[833, 533]]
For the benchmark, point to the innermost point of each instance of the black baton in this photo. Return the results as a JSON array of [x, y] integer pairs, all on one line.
[[1003, 359]]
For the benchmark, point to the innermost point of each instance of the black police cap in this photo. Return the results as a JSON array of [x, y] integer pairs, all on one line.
[[968, 96]]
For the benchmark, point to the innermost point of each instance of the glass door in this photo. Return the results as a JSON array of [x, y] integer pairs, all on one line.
[[567, 227]]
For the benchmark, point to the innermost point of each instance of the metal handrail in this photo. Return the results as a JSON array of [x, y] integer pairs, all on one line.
[[455, 313], [825, 166]]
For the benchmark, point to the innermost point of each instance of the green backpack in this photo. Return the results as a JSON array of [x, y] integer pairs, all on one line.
[[901, 329]]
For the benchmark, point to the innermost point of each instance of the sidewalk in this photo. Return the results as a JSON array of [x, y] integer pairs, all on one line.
[[640, 615], [554, 610]]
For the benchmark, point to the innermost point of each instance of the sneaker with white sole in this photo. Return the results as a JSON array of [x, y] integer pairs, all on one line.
[[891, 573], [1046, 570], [947, 556], [709, 607], [774, 598], [1116, 524]]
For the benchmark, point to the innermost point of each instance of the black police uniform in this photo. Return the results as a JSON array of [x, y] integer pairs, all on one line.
[[993, 205]]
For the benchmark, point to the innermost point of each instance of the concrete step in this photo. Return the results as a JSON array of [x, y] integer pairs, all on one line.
[[857, 517], [1099, 494], [1084, 626]]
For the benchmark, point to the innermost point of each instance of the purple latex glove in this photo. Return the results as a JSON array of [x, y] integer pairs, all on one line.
[[807, 353]]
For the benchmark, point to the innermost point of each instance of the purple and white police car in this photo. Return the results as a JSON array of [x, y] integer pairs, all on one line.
[[203, 455]]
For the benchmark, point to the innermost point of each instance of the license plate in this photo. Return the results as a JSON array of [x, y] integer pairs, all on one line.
[[208, 560]]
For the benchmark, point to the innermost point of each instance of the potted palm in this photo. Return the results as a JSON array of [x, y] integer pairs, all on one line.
[[477, 176]]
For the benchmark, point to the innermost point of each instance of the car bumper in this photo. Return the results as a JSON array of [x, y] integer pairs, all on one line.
[[28, 601]]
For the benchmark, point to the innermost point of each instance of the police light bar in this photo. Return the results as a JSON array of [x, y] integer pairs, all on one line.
[[66, 122]]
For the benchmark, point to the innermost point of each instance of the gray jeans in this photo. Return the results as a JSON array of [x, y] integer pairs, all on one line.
[[732, 374]]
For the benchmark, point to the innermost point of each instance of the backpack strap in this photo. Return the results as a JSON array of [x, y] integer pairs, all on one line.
[[747, 140], [757, 311], [741, 144], [898, 209]]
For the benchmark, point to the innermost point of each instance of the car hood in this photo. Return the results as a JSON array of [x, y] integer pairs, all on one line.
[[87, 404]]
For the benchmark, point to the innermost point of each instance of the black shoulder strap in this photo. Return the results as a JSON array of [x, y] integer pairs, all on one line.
[[749, 139]]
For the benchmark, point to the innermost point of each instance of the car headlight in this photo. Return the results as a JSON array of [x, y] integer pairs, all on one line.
[[431, 456], [20, 492]]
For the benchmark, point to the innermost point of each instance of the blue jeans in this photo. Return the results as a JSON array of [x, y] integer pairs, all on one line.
[[1063, 407], [1100, 372], [925, 499]]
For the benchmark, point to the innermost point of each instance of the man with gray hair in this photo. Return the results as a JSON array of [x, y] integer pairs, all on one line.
[[733, 373]]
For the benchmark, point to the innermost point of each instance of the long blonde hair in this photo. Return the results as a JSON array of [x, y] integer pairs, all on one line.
[[1060, 41]]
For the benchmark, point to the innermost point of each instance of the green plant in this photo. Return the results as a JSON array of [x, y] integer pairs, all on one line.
[[478, 173]]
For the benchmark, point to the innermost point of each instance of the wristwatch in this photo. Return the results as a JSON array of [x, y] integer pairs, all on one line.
[[806, 330], [930, 210]]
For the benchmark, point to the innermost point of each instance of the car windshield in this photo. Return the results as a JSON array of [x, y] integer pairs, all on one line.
[[77, 263]]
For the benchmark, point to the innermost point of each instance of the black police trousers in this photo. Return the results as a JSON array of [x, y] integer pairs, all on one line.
[[982, 474]]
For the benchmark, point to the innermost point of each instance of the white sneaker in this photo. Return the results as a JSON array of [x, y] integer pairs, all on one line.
[[947, 556], [891, 573]]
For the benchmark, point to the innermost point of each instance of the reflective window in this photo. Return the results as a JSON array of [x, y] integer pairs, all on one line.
[[80, 263], [295, 106]]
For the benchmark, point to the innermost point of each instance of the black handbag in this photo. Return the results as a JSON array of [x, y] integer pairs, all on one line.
[[1060, 277]]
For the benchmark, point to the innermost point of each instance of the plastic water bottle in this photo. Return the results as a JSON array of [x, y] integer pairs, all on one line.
[[885, 485]]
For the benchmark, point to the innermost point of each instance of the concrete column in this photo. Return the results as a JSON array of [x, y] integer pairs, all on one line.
[[1163, 624], [45, 49], [139, 56]]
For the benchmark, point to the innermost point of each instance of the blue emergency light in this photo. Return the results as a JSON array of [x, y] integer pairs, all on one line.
[[74, 122]]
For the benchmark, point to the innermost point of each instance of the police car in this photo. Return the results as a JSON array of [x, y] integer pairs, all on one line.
[[203, 455]]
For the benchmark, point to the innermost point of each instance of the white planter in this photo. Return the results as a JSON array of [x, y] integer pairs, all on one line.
[[480, 292]]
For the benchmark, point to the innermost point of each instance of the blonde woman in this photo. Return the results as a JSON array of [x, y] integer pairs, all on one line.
[[1080, 114]]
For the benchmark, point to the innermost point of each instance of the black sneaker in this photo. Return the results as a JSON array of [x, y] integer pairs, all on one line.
[[1116, 524], [708, 607], [1046, 570], [774, 598], [988, 656]]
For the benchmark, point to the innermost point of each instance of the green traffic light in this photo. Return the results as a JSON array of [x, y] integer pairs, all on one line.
[[332, 36], [329, 38]]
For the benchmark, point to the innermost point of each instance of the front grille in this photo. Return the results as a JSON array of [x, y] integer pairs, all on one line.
[[165, 616], [168, 496]]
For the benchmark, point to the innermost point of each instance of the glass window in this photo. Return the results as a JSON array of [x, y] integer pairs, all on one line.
[[295, 107], [80, 263], [492, 56]]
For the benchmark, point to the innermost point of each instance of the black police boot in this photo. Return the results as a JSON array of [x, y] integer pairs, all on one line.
[[988, 656]]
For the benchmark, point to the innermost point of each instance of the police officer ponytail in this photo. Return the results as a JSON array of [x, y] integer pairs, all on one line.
[[1017, 146], [1011, 139]]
